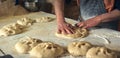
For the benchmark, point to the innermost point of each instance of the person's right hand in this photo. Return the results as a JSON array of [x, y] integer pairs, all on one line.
[[64, 28]]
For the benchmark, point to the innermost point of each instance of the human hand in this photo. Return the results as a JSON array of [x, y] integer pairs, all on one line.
[[90, 22], [64, 28]]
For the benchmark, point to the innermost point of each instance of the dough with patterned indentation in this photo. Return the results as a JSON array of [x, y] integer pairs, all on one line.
[[100, 52], [44, 19], [26, 44], [26, 21], [11, 29], [79, 32], [46, 50], [79, 48]]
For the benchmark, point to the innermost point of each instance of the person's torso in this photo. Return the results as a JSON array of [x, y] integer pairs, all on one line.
[[91, 8]]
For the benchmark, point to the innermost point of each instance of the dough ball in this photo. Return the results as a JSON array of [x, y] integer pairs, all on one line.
[[25, 21], [79, 48], [79, 32], [44, 19], [11, 29], [26, 44], [46, 50], [100, 52]]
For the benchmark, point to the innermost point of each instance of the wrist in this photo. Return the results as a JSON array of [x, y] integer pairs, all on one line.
[[60, 20], [100, 18]]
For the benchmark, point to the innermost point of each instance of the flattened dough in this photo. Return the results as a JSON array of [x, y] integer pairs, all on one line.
[[79, 48], [26, 44], [46, 50], [100, 52], [11, 29], [26, 21], [44, 19], [79, 32]]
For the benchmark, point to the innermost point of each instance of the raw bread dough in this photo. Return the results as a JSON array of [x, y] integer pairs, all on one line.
[[46, 50], [11, 29], [79, 48], [44, 19], [26, 44], [25, 21], [14, 26], [79, 32], [100, 52]]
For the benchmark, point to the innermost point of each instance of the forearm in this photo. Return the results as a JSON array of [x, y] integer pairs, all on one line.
[[115, 14], [59, 10]]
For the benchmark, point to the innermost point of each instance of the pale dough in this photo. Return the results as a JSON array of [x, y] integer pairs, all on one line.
[[79, 32], [79, 48], [47, 50], [44, 19], [100, 52], [11, 29], [26, 21], [26, 44]]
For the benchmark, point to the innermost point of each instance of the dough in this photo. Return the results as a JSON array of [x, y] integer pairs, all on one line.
[[11, 29], [14, 26], [79, 32], [100, 52], [44, 19], [79, 48], [26, 44], [25, 22], [46, 50]]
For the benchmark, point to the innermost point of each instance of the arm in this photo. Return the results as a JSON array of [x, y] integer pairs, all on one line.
[[115, 14], [59, 9], [63, 27]]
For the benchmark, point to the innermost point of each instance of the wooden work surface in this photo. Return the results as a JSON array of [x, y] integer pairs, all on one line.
[[45, 32]]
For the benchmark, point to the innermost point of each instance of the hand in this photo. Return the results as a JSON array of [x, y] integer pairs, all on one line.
[[65, 28], [90, 22]]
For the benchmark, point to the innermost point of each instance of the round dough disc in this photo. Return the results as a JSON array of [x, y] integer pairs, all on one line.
[[100, 52], [79, 48], [26, 44], [11, 29], [79, 32], [46, 50]]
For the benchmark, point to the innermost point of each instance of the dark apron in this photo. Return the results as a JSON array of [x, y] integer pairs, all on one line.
[[92, 8]]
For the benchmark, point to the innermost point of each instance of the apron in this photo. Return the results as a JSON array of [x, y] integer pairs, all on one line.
[[92, 8]]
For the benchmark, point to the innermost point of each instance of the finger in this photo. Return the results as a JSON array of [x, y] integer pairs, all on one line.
[[87, 26], [81, 24], [71, 27], [72, 32], [69, 31], [59, 31], [63, 31]]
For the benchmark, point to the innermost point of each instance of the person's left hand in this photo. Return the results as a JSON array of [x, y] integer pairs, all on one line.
[[90, 22]]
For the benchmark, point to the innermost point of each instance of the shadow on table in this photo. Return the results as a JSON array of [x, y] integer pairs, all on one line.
[[6, 56]]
